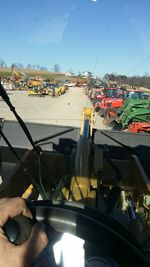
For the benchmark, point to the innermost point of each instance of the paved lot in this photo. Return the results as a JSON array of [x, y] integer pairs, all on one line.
[[64, 110]]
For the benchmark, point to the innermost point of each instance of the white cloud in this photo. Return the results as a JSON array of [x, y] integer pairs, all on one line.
[[49, 31], [94, 0]]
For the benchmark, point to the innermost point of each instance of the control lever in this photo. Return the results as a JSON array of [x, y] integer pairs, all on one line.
[[18, 229]]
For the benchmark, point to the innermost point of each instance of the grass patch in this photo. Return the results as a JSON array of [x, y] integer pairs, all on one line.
[[7, 72]]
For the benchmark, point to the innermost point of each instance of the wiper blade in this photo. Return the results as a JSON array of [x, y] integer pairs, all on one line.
[[5, 97]]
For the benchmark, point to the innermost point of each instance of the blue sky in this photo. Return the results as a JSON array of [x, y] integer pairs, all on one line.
[[101, 36]]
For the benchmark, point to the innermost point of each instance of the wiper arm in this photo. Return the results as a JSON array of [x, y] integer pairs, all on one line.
[[38, 185], [52, 136], [5, 97]]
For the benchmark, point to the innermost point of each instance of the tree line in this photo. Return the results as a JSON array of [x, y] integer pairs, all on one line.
[[55, 68], [141, 81]]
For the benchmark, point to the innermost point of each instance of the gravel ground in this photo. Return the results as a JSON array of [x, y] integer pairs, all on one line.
[[64, 110]]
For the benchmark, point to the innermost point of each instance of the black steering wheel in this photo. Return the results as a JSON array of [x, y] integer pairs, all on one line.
[[96, 228], [106, 234]]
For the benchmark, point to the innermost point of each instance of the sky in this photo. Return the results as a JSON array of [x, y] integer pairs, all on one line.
[[101, 36]]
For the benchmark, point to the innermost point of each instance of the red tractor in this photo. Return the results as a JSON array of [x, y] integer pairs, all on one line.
[[105, 93], [109, 106], [111, 95]]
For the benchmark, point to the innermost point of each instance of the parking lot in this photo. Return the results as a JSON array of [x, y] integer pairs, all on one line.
[[64, 110]]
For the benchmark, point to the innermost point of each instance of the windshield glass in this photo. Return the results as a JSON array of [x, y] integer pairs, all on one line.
[[111, 92], [59, 62], [136, 95]]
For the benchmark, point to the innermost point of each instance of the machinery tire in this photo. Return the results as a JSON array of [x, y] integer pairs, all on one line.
[[107, 116], [101, 114], [108, 111], [97, 109]]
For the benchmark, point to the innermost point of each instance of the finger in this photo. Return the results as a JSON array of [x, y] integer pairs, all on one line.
[[7, 251], [24, 255], [10, 207], [34, 245]]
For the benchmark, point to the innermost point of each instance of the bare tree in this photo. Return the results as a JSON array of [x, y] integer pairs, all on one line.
[[13, 65], [2, 63], [43, 68], [38, 67], [57, 68], [19, 66], [33, 67], [28, 66]]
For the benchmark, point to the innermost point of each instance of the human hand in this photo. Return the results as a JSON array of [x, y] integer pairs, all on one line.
[[23, 255]]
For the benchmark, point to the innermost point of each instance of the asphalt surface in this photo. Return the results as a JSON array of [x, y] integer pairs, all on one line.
[[65, 110]]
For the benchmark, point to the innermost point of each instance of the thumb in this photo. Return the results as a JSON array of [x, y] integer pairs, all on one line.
[[33, 246]]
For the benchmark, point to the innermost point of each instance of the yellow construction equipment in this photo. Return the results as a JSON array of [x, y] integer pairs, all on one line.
[[81, 182], [34, 82]]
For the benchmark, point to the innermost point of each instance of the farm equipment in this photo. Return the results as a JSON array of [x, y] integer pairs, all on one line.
[[134, 115], [43, 89], [94, 184], [102, 93], [80, 83], [37, 91], [113, 100], [110, 107], [59, 89], [139, 127], [34, 82], [62, 89], [19, 80], [35, 87], [96, 94]]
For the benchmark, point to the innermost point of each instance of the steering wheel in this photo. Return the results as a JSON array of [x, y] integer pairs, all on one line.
[[102, 231]]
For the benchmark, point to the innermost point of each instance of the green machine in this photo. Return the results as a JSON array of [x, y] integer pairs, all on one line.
[[135, 111]]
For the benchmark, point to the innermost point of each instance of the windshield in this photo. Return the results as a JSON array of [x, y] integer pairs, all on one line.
[[112, 92], [55, 35], [136, 95], [59, 60]]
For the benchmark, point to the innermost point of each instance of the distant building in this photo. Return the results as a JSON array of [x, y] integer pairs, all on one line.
[[69, 74]]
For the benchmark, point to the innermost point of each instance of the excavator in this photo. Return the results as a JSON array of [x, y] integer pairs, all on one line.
[[84, 183], [19, 79]]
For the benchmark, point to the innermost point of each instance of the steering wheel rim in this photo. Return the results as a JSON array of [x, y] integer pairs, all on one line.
[[94, 227]]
